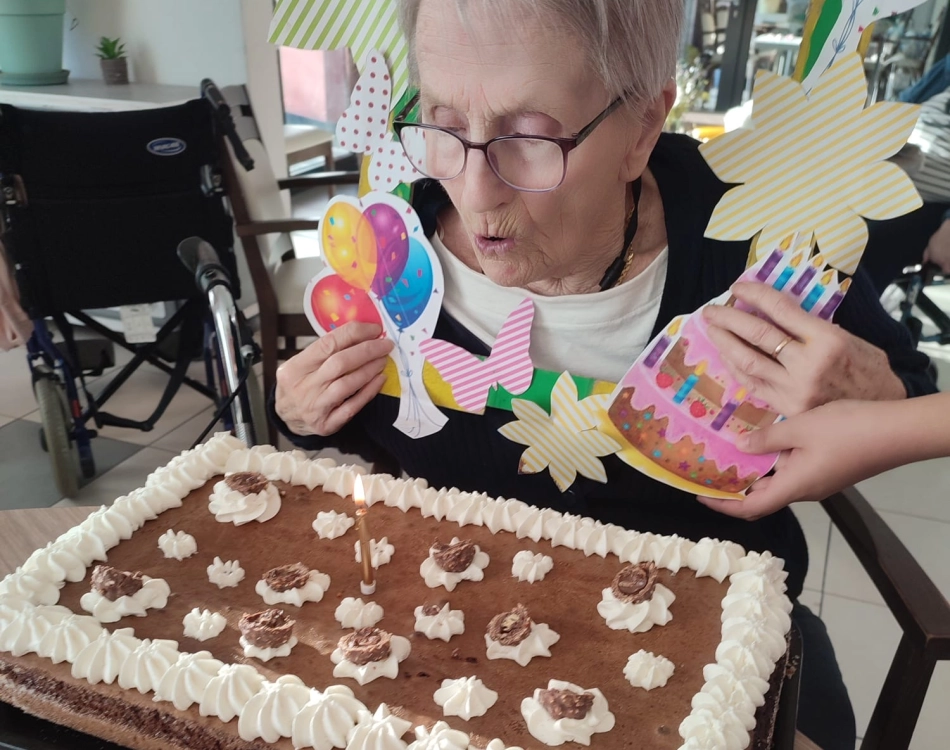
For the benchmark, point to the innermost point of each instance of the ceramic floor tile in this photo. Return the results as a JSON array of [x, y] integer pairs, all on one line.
[[933, 727], [139, 396], [929, 542], [816, 524], [121, 480], [865, 637], [183, 437], [919, 489], [845, 575], [16, 389]]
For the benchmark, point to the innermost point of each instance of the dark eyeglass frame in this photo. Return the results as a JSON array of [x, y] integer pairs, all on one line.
[[566, 144]]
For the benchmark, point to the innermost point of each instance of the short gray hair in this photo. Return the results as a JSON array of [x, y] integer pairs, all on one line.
[[632, 45]]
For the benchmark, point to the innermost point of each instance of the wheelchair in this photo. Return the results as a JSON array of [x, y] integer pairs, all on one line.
[[116, 209], [913, 283]]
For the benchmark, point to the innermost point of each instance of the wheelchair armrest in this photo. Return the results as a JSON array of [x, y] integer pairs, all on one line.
[[323, 179], [910, 594], [276, 226]]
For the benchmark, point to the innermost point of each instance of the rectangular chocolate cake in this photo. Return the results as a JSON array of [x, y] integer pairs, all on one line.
[[220, 607]]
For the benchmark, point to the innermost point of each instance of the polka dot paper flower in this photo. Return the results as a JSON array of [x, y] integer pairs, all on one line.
[[566, 442], [813, 164]]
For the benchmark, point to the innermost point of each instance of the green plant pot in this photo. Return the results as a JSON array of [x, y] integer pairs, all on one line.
[[31, 42]]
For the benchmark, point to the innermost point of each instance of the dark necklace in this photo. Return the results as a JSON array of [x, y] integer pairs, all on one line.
[[615, 270]]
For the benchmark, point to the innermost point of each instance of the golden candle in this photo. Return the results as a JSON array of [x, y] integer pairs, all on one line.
[[368, 582]]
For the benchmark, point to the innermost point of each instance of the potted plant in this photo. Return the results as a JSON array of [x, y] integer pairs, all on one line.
[[112, 59], [31, 42]]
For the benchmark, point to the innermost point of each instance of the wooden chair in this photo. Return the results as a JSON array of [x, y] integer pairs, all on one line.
[[922, 612], [280, 278]]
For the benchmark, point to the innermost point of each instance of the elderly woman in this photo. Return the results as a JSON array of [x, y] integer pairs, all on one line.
[[553, 181]]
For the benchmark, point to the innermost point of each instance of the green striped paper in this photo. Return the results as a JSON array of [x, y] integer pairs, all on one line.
[[361, 25]]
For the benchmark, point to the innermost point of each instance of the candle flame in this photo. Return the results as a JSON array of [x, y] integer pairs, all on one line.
[[788, 242], [740, 394], [818, 261], [796, 261], [674, 327], [701, 368], [359, 494], [845, 286], [826, 279]]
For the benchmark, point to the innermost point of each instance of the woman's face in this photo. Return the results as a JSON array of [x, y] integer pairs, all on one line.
[[485, 77]]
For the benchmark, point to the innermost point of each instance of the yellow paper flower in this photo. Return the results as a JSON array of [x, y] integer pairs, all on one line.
[[566, 442], [813, 165]]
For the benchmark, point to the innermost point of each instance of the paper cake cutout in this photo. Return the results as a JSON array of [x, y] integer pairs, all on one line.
[[382, 270], [509, 363], [567, 441], [833, 30], [361, 25], [364, 128], [678, 410], [813, 164]]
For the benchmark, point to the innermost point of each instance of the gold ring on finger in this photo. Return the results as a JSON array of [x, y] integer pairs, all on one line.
[[781, 346]]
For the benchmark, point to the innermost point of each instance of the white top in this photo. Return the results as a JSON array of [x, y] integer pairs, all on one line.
[[589, 335]]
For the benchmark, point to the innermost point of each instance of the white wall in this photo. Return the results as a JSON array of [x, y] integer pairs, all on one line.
[[167, 41]]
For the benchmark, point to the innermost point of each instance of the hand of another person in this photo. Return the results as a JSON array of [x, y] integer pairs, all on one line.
[[329, 382], [825, 450], [938, 248], [805, 363]]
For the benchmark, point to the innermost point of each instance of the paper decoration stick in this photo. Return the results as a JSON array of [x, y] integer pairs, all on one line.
[[382, 269], [824, 154], [361, 25], [509, 363], [567, 441], [364, 128], [833, 30]]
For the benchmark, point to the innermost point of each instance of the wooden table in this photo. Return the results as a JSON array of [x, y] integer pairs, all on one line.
[[23, 531]]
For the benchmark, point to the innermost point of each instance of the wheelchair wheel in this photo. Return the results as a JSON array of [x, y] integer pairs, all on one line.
[[57, 426]]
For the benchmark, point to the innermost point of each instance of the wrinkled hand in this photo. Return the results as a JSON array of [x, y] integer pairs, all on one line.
[[329, 382], [821, 363], [938, 248], [825, 450]]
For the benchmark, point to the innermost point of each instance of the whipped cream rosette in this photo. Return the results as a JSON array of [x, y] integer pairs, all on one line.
[[177, 545], [355, 613], [117, 593], [514, 635], [225, 574], [328, 718], [329, 524], [565, 712], [530, 567], [368, 654], [648, 671], [635, 601], [450, 564], [292, 584], [380, 552], [441, 623], [203, 624], [465, 697], [244, 497]]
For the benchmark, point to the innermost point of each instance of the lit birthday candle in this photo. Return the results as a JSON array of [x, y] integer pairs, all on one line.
[[769, 266], [817, 291], [690, 383], [832, 304], [807, 275], [787, 272], [728, 410], [662, 344], [368, 581]]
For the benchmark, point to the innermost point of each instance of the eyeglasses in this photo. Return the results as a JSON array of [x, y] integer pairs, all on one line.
[[530, 163]]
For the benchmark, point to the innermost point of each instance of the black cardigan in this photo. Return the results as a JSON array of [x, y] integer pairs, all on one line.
[[470, 454]]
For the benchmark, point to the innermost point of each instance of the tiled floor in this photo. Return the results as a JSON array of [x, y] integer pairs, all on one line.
[[915, 502]]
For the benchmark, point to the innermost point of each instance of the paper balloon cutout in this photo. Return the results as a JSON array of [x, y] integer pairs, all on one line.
[[382, 269], [678, 410], [364, 128], [509, 363], [333, 302], [813, 164]]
